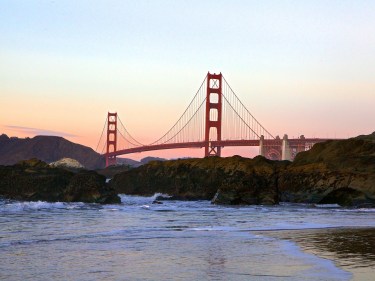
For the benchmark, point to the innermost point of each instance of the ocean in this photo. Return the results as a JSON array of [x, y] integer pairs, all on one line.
[[184, 240]]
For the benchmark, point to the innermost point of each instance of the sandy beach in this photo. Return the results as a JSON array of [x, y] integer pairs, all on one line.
[[352, 249]]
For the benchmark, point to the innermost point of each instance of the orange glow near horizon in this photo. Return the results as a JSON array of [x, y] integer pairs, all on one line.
[[304, 68], [167, 154]]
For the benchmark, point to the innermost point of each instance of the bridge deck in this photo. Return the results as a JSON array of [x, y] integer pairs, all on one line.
[[223, 143]]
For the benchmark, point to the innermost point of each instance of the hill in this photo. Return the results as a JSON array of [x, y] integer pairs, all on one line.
[[134, 163], [48, 149]]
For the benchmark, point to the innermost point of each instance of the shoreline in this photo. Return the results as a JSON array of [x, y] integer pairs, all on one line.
[[349, 248]]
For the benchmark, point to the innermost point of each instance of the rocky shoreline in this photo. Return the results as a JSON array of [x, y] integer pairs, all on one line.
[[334, 172]]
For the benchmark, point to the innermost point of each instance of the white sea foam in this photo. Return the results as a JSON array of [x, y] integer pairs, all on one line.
[[327, 205], [37, 205], [140, 200], [215, 228], [17, 206]]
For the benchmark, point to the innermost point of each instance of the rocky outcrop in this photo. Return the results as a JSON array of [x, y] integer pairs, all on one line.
[[88, 186], [35, 180], [334, 172], [341, 172], [111, 171], [232, 180]]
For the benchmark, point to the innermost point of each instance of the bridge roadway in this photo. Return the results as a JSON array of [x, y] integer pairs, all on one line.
[[301, 142]]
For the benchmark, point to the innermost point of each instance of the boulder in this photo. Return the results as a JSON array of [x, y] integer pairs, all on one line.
[[255, 185], [35, 180], [90, 187]]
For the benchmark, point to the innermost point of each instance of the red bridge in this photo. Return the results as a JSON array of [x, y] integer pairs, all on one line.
[[214, 119]]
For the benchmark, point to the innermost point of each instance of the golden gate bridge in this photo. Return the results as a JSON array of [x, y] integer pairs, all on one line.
[[214, 119]]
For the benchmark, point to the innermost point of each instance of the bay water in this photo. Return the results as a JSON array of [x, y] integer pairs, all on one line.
[[176, 240]]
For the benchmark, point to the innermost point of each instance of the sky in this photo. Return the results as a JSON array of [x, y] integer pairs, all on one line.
[[300, 67]]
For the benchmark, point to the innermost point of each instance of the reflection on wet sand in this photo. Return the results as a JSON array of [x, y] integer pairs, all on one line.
[[351, 249]]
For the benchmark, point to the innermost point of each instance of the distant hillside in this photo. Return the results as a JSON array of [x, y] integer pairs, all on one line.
[[134, 163], [126, 161], [48, 149], [149, 159]]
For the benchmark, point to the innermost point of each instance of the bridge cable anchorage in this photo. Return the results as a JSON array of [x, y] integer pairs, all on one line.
[[105, 124], [182, 117]]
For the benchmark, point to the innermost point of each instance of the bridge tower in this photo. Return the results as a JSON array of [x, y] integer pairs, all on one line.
[[111, 139], [213, 114]]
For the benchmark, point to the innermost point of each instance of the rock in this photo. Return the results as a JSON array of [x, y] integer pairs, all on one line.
[[252, 181], [334, 172], [34, 180], [254, 186], [325, 186], [67, 163], [88, 186], [111, 171], [32, 163]]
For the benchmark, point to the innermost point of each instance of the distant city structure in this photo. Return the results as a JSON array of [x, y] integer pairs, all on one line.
[[214, 119]]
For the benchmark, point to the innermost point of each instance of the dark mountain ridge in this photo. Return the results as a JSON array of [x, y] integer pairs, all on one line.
[[51, 148], [48, 149]]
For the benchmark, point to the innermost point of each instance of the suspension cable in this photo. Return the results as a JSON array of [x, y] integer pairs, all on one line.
[[187, 123], [247, 109], [181, 115], [129, 134], [105, 123]]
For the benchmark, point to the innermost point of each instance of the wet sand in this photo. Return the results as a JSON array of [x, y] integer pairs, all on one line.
[[352, 249]]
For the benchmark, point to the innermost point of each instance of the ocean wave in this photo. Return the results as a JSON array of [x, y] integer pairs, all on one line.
[[20, 206], [136, 199]]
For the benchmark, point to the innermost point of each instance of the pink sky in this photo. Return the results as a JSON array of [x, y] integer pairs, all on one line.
[[300, 68]]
